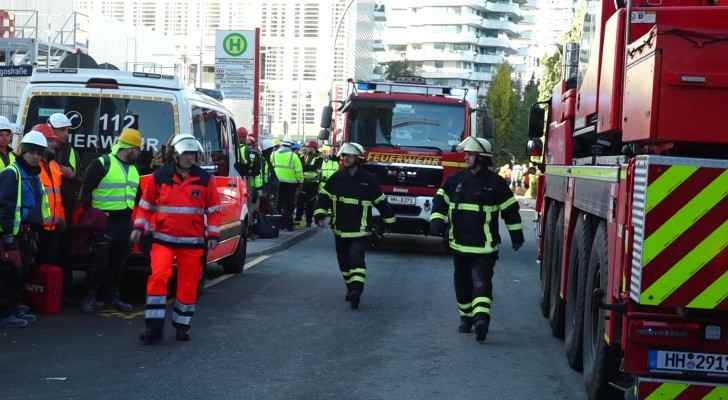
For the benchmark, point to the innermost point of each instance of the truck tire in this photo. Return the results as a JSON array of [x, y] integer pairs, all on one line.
[[545, 275], [235, 263], [556, 303], [581, 244], [600, 359]]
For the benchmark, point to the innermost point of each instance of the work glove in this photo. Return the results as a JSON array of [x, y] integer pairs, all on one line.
[[437, 227], [136, 236], [212, 244], [517, 245]]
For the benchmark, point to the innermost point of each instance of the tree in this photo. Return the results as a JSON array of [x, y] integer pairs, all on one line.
[[527, 98], [501, 108], [396, 69], [551, 75]]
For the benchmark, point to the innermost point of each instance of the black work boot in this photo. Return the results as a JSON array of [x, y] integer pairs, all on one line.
[[481, 329], [349, 294], [118, 304], [355, 297], [153, 334], [466, 325], [183, 333]]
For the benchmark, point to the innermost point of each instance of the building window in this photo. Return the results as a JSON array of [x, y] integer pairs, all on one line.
[[439, 64]]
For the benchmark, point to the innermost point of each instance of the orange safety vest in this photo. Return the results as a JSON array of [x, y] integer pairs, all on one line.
[[52, 184]]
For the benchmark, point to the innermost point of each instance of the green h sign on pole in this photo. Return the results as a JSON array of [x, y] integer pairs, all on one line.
[[235, 44]]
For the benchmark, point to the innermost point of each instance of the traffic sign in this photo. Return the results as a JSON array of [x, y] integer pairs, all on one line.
[[15, 70], [235, 59]]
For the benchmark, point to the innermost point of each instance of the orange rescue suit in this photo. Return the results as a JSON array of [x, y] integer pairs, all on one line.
[[182, 214], [51, 176]]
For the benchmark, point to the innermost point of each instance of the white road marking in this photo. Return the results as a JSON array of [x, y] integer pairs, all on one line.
[[225, 277]]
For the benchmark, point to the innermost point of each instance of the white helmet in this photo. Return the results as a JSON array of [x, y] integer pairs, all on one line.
[[34, 138], [5, 124], [352, 149], [185, 142], [287, 143], [59, 120], [476, 145]]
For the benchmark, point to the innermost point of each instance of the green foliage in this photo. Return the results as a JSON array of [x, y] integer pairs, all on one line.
[[501, 103], [519, 139], [551, 75], [396, 69]]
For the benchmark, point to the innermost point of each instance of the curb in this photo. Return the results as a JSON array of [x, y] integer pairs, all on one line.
[[286, 244]]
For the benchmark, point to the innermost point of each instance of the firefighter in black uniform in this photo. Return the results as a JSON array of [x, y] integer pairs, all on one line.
[[312, 162], [471, 201], [348, 197]]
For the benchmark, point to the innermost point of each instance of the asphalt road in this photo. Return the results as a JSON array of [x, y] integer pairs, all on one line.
[[283, 331]]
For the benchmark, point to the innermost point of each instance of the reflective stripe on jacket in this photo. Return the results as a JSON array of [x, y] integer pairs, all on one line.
[[11, 159], [44, 207], [471, 204], [177, 208], [287, 166], [51, 177], [312, 167], [118, 189], [349, 200]]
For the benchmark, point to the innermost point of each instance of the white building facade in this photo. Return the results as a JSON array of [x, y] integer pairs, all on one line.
[[452, 42]]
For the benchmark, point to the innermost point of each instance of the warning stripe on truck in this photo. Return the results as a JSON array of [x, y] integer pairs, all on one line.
[[680, 217], [677, 390]]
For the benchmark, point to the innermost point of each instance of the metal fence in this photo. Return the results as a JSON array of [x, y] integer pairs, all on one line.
[[9, 107]]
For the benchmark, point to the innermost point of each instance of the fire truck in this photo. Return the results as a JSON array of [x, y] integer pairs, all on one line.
[[633, 203], [410, 131]]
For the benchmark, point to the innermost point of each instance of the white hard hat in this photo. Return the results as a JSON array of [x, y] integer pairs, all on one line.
[[476, 145], [35, 138], [59, 120], [352, 149], [186, 142], [287, 143], [5, 124]]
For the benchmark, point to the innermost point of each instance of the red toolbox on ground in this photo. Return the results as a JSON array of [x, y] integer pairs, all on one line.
[[45, 289]]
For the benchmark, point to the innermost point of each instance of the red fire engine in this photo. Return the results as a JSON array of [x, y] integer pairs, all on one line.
[[410, 132], [633, 204]]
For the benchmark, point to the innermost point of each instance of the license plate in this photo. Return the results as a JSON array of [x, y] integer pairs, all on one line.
[[401, 200], [688, 362]]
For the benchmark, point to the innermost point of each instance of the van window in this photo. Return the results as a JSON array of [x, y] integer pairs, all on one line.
[[97, 121], [210, 127]]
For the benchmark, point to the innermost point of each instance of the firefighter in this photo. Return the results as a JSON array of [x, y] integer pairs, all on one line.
[[111, 185], [348, 197], [178, 199], [51, 177], [330, 164], [289, 171], [7, 156], [23, 210], [470, 201], [312, 162], [249, 156]]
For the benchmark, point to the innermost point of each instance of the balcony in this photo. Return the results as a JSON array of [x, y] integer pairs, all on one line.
[[427, 36], [502, 41], [379, 14], [378, 46], [433, 18], [500, 25], [507, 8], [455, 73]]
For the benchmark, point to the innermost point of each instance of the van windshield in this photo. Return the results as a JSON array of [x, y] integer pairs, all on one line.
[[97, 121]]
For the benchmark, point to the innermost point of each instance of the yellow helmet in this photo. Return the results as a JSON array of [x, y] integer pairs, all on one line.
[[351, 149], [130, 138], [276, 142], [476, 145]]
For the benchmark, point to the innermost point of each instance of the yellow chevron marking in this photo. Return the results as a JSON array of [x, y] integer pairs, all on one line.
[[688, 266], [695, 209], [719, 393], [660, 188], [668, 391], [713, 295]]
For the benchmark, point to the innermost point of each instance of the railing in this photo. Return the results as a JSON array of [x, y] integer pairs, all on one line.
[[26, 24], [9, 107]]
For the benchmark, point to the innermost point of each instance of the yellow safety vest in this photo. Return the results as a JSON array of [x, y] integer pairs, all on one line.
[[118, 189], [287, 166]]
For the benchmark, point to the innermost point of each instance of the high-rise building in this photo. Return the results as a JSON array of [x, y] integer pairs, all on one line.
[[452, 42], [300, 63]]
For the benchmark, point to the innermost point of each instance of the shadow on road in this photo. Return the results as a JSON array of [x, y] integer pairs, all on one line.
[[411, 244]]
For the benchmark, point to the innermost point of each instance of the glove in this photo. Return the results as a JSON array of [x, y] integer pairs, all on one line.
[[136, 236], [211, 244], [437, 227], [517, 245]]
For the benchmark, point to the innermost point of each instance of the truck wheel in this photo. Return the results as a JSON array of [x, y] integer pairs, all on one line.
[[551, 214], [574, 308], [556, 303], [235, 264], [600, 359]]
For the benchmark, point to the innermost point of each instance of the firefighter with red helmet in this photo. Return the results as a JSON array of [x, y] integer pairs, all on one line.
[[180, 206], [312, 161], [469, 203], [249, 156]]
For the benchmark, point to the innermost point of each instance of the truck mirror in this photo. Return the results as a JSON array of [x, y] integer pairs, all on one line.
[[326, 115], [536, 122], [535, 147], [323, 134]]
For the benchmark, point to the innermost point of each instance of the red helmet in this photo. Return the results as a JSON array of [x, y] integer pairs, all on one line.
[[242, 133], [312, 144], [47, 131]]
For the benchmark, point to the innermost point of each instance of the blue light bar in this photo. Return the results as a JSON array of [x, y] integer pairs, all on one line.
[[364, 86]]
